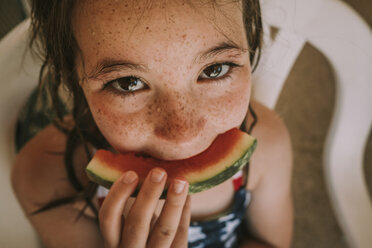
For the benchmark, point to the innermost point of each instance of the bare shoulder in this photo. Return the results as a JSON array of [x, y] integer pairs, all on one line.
[[274, 150], [39, 177], [39, 174], [269, 180]]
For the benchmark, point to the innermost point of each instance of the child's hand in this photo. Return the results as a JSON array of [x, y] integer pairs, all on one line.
[[170, 229]]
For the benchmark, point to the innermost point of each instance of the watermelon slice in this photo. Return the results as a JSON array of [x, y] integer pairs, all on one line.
[[228, 154]]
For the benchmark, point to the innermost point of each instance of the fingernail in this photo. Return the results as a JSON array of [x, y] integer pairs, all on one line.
[[157, 175], [178, 186], [129, 177]]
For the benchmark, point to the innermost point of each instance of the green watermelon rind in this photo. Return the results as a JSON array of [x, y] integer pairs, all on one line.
[[225, 174], [196, 186], [101, 181]]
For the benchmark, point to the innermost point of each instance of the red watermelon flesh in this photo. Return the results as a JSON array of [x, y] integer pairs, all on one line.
[[227, 154]]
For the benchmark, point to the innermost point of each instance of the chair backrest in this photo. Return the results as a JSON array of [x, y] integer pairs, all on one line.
[[19, 74], [346, 41]]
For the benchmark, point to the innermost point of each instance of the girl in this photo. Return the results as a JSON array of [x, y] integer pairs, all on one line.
[[163, 78]]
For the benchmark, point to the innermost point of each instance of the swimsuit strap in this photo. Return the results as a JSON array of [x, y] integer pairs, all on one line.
[[243, 128]]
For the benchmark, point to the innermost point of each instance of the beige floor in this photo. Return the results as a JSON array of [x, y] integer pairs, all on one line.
[[307, 117], [306, 106]]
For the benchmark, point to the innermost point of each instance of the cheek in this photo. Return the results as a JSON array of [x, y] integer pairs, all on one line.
[[230, 110], [118, 127]]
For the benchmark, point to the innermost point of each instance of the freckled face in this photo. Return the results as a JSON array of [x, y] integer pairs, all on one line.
[[163, 79]]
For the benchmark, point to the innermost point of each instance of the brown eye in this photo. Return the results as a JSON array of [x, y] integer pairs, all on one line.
[[215, 71], [127, 84]]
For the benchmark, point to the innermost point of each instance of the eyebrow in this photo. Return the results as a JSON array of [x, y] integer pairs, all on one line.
[[220, 48], [107, 65]]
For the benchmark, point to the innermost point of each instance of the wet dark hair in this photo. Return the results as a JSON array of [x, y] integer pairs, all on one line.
[[53, 40]]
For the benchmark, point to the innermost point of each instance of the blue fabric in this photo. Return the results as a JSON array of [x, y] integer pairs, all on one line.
[[224, 231]]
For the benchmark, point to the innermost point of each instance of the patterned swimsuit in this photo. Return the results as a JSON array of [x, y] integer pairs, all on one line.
[[225, 230]]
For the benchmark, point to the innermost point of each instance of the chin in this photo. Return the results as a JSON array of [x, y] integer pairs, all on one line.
[[162, 152], [176, 152], [167, 151]]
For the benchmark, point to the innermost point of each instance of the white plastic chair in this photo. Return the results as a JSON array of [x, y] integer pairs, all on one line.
[[346, 41], [329, 25], [18, 78]]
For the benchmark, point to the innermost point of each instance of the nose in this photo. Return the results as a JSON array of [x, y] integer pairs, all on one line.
[[179, 118]]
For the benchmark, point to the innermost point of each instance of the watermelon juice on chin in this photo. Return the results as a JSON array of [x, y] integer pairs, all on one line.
[[227, 154]]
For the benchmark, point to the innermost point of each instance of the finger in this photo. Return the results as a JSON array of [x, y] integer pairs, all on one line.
[[153, 221], [111, 212], [181, 238], [167, 224], [137, 223]]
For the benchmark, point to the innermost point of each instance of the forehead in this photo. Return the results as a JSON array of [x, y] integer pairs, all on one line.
[[119, 27]]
